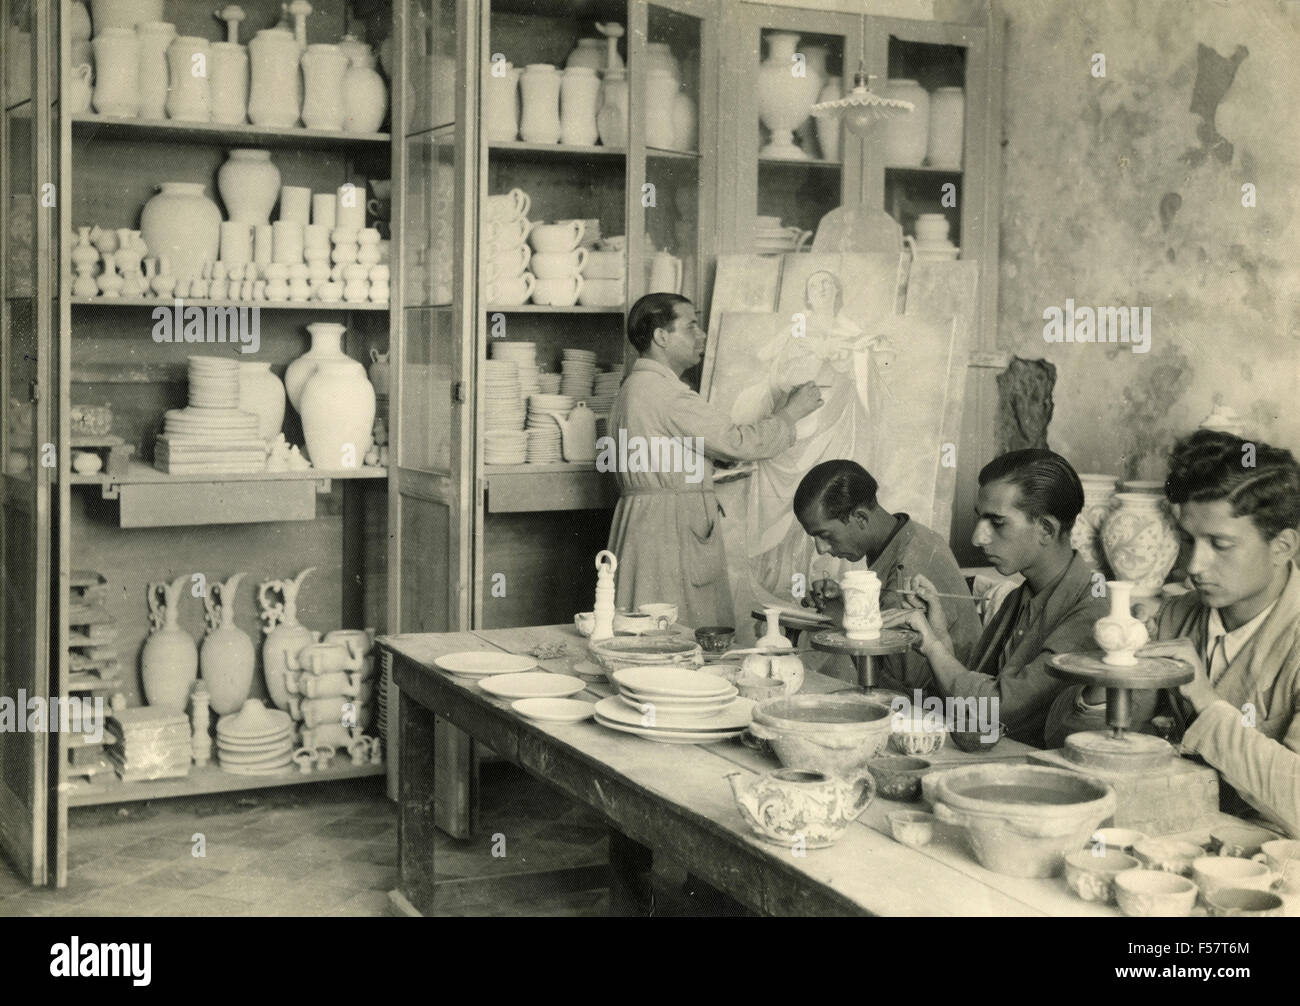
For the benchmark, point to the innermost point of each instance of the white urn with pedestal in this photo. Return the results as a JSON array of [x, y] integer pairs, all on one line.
[[784, 100]]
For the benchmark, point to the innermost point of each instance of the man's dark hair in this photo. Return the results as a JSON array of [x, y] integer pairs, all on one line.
[[1048, 484], [1212, 465], [840, 486], [654, 310]]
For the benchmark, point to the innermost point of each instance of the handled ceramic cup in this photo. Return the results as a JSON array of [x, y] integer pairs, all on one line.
[[1214, 872], [506, 232], [562, 292], [512, 291], [507, 262], [559, 265], [511, 206], [557, 237], [1282, 856]]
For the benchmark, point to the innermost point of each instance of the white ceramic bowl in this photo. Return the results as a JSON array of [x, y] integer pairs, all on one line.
[[1144, 893]]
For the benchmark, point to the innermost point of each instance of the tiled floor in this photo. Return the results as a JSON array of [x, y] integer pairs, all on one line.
[[327, 849]]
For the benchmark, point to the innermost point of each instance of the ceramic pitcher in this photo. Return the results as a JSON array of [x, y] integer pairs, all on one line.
[[275, 88], [155, 39], [117, 73], [540, 121], [284, 634], [227, 657], [189, 96], [169, 663]]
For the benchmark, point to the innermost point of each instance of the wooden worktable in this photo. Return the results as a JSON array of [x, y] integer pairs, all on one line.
[[675, 800]]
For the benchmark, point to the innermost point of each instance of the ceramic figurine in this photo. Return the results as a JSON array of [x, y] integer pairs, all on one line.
[[1119, 633], [169, 663], [606, 567], [284, 634], [226, 659]]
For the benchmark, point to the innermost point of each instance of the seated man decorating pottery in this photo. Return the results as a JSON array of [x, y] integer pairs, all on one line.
[[1237, 505], [837, 504], [1027, 504]]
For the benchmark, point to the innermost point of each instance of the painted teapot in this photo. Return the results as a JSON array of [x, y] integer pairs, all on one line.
[[578, 433], [798, 807]]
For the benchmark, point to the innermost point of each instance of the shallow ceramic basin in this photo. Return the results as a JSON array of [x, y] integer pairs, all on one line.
[[1022, 820], [665, 650], [833, 734], [1144, 893], [899, 778]]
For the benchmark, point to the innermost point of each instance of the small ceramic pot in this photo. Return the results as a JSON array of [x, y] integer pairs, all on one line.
[[912, 736], [715, 638], [1119, 839], [912, 827], [1227, 901], [1144, 893], [899, 778], [1167, 854], [584, 622], [1092, 876]]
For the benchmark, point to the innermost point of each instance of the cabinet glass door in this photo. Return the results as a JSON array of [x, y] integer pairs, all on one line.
[[28, 441]]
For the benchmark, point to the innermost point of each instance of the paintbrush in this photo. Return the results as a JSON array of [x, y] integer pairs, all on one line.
[[960, 597]]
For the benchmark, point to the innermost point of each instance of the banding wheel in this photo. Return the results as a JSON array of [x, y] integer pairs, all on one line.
[[1117, 750]]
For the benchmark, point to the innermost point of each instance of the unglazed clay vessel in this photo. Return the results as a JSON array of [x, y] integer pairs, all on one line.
[[169, 663], [284, 634], [798, 807], [227, 657]]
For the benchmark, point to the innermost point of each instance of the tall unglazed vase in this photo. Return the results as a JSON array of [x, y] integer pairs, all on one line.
[[579, 99], [323, 67], [275, 86], [182, 223], [227, 656], [784, 100], [501, 102], [326, 344], [1098, 496], [284, 634], [906, 137], [155, 37], [249, 184], [117, 73], [338, 414], [365, 98], [262, 394], [1119, 633], [611, 120], [1140, 541], [540, 121], [228, 68], [189, 94], [169, 663]]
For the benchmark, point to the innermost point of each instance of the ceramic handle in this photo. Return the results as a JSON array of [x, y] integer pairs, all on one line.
[[523, 202], [582, 259], [530, 284], [579, 229]]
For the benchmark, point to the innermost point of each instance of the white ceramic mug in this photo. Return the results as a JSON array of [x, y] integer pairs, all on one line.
[[668, 611], [601, 292], [561, 292], [1282, 856], [511, 206], [508, 261], [506, 232], [557, 237], [558, 265], [1214, 872], [512, 291]]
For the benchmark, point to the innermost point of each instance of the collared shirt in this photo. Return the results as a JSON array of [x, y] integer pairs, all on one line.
[[1222, 646]]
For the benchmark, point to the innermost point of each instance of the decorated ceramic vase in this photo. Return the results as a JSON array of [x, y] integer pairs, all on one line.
[[284, 634], [169, 663], [861, 588], [249, 184], [326, 344], [1140, 541], [227, 657], [1098, 496], [784, 100], [262, 394], [184, 225], [338, 414]]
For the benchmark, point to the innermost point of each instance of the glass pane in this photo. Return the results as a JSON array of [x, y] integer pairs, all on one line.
[[427, 257], [799, 156], [431, 342], [20, 270], [18, 56], [672, 225], [431, 64], [672, 109]]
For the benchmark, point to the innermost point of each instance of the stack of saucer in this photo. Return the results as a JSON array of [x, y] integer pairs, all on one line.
[[506, 447], [524, 356], [548, 384], [542, 407], [255, 740], [674, 705], [211, 434], [503, 403], [604, 392], [544, 444], [771, 238], [579, 368]]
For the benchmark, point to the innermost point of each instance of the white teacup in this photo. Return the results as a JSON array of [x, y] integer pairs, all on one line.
[[557, 237], [1282, 856], [637, 623], [668, 611], [507, 261], [558, 265], [601, 292], [506, 232], [514, 290], [511, 206], [1214, 872], [558, 291]]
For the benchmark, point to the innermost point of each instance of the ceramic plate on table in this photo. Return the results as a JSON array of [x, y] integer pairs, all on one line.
[[476, 662], [533, 685], [735, 718], [673, 681], [670, 736], [685, 712], [554, 710]]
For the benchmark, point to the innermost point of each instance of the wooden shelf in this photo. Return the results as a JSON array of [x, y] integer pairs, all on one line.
[[791, 162], [923, 169], [537, 469], [210, 778], [92, 126], [266, 305], [563, 486], [139, 473], [557, 151], [550, 309], [684, 155]]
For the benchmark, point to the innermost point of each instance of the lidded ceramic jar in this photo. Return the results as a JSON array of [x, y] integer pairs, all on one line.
[[155, 38], [117, 73], [323, 69], [228, 68], [189, 95], [540, 119], [249, 184], [184, 225], [589, 52], [275, 88], [907, 137]]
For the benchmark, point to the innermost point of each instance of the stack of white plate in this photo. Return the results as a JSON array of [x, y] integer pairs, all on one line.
[[255, 740], [503, 403], [608, 383], [674, 705], [579, 367], [542, 407], [211, 434], [770, 238], [524, 356], [505, 447], [548, 384], [544, 445]]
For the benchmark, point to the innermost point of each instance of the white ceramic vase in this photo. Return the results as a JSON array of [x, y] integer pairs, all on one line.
[[169, 662], [611, 120], [830, 130], [861, 588], [262, 394], [323, 67], [783, 98], [660, 92], [228, 68], [589, 53], [814, 65], [189, 97], [1119, 633], [947, 128], [540, 120], [326, 344], [227, 656], [117, 73], [1140, 541], [249, 184], [184, 225], [1098, 495], [338, 414], [685, 122], [365, 98], [501, 103], [906, 137], [275, 87], [124, 13], [579, 98], [155, 38]]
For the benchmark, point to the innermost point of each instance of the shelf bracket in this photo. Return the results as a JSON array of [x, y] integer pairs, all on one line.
[[110, 490]]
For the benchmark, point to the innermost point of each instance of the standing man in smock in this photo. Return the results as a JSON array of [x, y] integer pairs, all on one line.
[[666, 530]]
